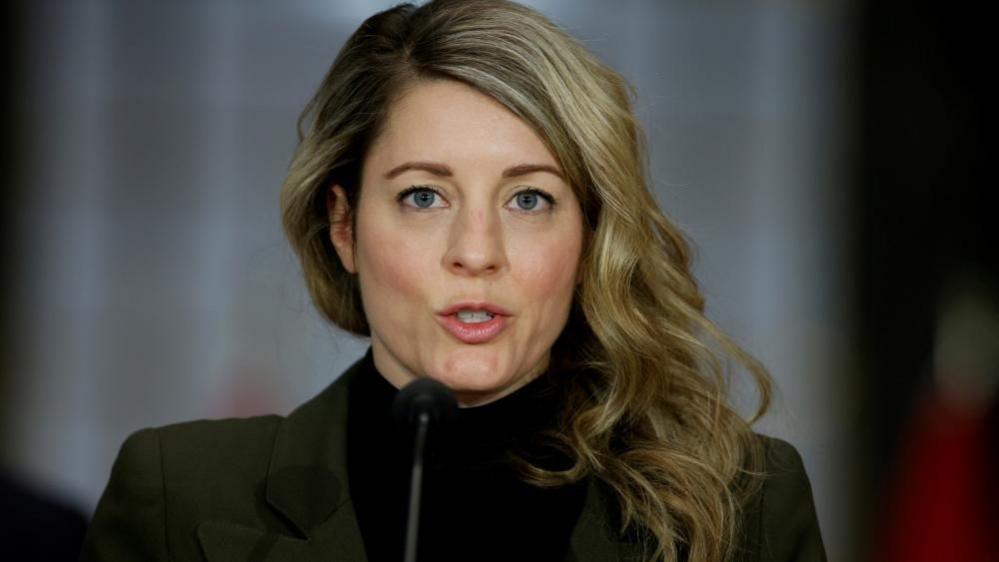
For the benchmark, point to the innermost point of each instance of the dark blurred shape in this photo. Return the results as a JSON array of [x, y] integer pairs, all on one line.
[[36, 528], [926, 205], [944, 499], [11, 71], [32, 526], [942, 505]]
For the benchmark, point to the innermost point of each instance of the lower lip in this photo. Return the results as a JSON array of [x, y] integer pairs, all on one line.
[[473, 333]]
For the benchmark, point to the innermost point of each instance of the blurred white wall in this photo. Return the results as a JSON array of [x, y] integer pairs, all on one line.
[[161, 288]]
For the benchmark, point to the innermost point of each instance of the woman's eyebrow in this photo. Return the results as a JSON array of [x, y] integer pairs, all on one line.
[[433, 167], [524, 169], [443, 170]]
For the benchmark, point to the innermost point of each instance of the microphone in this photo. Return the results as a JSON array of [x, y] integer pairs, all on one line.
[[419, 405]]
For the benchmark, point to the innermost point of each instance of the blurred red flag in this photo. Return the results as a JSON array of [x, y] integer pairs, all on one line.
[[942, 503]]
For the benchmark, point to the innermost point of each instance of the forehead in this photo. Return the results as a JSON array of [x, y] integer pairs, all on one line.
[[446, 120]]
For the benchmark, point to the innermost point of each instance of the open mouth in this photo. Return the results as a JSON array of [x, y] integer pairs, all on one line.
[[473, 316], [473, 326]]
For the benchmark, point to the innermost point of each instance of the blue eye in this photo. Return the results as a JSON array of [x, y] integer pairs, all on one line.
[[529, 199], [422, 196]]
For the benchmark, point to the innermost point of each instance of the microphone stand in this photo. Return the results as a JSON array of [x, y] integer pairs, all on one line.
[[415, 485], [425, 402]]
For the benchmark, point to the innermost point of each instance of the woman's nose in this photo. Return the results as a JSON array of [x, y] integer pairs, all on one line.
[[475, 245]]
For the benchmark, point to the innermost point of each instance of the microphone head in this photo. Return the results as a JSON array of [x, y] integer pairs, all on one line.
[[424, 396]]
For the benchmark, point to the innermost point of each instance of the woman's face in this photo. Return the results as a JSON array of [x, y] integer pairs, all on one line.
[[462, 205]]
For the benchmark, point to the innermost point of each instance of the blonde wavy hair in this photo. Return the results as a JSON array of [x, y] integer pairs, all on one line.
[[651, 419]]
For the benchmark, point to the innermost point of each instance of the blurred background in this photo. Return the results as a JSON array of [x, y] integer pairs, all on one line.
[[827, 159]]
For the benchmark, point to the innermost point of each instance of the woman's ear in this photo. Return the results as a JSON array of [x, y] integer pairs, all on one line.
[[341, 227]]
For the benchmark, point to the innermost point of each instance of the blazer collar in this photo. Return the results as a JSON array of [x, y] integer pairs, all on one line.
[[307, 484]]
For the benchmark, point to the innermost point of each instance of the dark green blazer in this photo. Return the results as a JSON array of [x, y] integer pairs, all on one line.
[[274, 488]]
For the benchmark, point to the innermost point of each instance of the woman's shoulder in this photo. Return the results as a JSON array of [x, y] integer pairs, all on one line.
[[786, 484], [194, 456], [784, 464], [217, 435], [236, 440], [234, 450], [214, 450], [195, 471], [780, 521]]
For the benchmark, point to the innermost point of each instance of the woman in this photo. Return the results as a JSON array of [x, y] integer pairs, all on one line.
[[469, 192]]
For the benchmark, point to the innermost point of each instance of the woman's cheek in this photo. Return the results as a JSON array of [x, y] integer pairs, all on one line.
[[397, 263], [547, 272]]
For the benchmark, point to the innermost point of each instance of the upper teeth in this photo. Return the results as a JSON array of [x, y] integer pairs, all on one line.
[[473, 316]]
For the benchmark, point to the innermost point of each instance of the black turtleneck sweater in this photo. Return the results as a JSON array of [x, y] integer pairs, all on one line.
[[474, 504]]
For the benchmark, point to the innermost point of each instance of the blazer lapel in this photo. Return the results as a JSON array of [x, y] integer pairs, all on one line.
[[336, 539], [223, 541], [306, 485]]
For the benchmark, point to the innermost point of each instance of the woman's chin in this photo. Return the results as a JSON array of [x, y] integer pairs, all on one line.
[[478, 375], [476, 387], [473, 398]]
